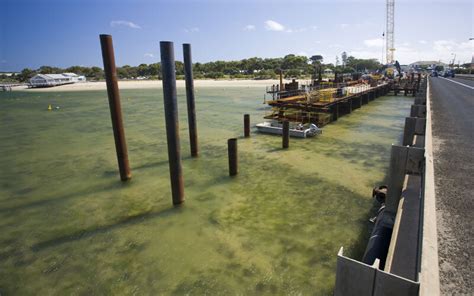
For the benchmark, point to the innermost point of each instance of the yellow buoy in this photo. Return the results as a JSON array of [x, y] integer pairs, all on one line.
[[50, 108]]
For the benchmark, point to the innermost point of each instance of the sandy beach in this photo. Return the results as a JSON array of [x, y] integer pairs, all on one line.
[[150, 84]]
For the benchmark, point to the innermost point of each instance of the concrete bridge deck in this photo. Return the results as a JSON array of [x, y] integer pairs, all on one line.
[[453, 148]]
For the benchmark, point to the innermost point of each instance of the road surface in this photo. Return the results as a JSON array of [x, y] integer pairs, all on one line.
[[453, 149], [464, 81]]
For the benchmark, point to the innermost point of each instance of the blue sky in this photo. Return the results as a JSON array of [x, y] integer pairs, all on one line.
[[66, 33]]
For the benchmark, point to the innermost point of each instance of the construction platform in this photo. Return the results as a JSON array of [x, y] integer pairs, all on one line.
[[324, 102], [325, 105]]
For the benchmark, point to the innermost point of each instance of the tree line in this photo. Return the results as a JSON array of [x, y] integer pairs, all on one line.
[[293, 66]]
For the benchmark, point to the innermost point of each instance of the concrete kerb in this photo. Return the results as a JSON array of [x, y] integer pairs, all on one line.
[[429, 274]]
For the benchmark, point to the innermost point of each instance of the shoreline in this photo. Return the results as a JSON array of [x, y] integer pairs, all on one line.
[[152, 84]]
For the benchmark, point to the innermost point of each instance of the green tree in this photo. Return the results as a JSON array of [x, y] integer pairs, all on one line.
[[49, 70], [26, 74], [95, 73], [79, 70], [294, 62], [344, 58], [361, 65], [317, 61], [214, 75], [294, 66], [179, 68], [266, 74], [142, 70], [155, 69], [292, 73]]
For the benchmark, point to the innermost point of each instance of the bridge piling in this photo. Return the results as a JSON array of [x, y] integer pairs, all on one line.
[[190, 99], [171, 118], [233, 157], [113, 93]]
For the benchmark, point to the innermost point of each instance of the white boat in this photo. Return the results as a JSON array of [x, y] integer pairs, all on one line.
[[298, 131]]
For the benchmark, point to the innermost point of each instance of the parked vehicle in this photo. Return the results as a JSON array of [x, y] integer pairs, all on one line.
[[449, 73]]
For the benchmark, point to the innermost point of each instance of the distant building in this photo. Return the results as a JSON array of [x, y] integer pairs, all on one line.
[[429, 65], [9, 74], [406, 68], [47, 80], [328, 71]]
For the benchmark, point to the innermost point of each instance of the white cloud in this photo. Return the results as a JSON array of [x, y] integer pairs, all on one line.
[[422, 41], [378, 42], [335, 45], [249, 28], [297, 30], [343, 26], [314, 28], [439, 50], [274, 26], [445, 46], [365, 24], [370, 54], [192, 30], [124, 24], [149, 55]]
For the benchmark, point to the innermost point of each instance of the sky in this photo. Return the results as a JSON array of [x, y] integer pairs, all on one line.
[[66, 33]]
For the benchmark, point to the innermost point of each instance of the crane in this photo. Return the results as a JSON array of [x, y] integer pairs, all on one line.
[[390, 40]]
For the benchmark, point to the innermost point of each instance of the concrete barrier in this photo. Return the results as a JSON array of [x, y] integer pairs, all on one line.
[[418, 111], [411, 266], [429, 271], [413, 126], [387, 284], [420, 100], [354, 278]]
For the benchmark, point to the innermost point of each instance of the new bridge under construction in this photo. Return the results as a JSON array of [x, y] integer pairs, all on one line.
[[322, 102]]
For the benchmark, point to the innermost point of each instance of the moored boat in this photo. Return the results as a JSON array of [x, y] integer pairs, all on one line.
[[297, 131]]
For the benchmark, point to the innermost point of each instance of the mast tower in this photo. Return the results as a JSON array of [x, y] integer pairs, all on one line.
[[390, 39]]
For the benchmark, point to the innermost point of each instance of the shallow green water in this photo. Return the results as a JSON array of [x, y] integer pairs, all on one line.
[[69, 226]]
